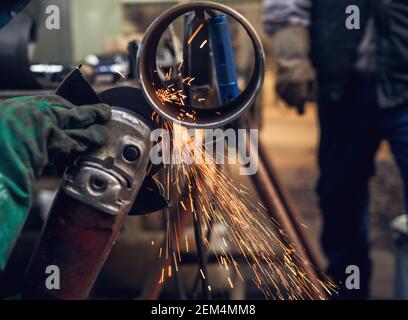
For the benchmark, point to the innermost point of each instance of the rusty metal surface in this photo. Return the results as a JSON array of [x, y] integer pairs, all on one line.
[[77, 238]]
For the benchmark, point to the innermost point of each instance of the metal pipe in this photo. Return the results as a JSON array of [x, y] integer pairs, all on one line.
[[276, 210], [152, 286], [150, 81], [291, 211], [202, 256]]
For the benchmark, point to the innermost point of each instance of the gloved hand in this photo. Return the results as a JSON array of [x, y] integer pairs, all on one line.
[[296, 78], [33, 131]]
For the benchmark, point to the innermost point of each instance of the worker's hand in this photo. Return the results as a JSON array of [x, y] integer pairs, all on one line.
[[296, 79], [33, 131]]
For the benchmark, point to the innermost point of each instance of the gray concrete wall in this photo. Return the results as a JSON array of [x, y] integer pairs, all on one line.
[[93, 22], [53, 46], [85, 25]]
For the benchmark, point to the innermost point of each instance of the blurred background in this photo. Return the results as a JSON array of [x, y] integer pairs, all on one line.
[[96, 34]]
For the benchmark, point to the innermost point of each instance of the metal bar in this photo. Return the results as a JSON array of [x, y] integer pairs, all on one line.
[[152, 287], [197, 279], [292, 213], [177, 278], [276, 210], [202, 261]]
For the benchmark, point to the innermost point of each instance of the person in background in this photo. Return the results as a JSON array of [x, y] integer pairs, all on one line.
[[34, 131], [362, 79]]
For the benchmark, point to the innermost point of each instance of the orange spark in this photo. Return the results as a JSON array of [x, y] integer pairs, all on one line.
[[203, 44], [195, 33]]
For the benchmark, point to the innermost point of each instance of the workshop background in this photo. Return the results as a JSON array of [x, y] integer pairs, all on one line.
[[104, 28]]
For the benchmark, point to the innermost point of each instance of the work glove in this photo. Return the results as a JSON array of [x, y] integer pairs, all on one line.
[[296, 78], [35, 131]]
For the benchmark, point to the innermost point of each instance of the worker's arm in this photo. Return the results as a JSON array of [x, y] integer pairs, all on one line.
[[287, 22], [34, 131]]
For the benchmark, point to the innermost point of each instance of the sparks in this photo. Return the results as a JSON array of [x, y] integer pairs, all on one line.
[[230, 283], [207, 191], [203, 44], [123, 76], [276, 268], [190, 40]]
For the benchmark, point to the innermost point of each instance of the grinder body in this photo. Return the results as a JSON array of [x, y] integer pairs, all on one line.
[[95, 196]]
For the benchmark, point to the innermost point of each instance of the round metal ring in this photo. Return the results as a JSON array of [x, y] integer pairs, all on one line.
[[150, 81]]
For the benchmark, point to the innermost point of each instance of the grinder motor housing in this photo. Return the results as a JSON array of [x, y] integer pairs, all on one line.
[[97, 193]]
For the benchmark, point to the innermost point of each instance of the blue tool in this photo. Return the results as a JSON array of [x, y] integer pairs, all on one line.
[[223, 58]]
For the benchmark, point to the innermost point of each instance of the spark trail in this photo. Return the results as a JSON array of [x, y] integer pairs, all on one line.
[[276, 268]]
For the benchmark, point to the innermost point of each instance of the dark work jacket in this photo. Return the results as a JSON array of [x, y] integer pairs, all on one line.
[[334, 47]]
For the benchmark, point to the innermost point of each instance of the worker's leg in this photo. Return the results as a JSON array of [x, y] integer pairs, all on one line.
[[348, 141], [395, 126]]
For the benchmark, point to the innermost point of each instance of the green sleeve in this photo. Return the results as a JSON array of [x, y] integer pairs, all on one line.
[[32, 131]]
